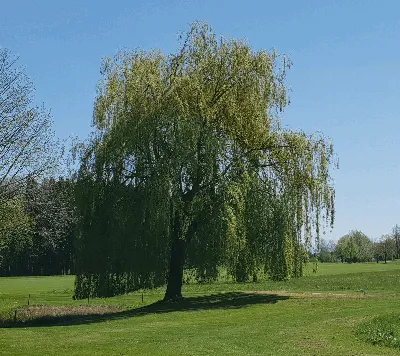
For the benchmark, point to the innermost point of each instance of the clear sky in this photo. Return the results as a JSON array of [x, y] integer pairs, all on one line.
[[344, 81]]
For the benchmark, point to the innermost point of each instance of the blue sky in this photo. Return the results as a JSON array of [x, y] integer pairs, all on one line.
[[344, 81]]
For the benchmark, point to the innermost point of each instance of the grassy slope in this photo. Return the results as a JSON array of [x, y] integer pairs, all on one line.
[[287, 324]]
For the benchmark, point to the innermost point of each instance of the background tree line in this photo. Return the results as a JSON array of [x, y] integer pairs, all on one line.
[[357, 247], [36, 234]]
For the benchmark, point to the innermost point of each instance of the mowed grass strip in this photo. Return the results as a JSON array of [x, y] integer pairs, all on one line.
[[267, 318]]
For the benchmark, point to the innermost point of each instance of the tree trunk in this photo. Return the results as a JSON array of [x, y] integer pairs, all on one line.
[[175, 277]]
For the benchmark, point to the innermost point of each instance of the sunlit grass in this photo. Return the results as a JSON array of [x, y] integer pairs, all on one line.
[[383, 330], [314, 315]]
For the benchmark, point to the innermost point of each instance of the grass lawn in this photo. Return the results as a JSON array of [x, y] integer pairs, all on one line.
[[314, 315]]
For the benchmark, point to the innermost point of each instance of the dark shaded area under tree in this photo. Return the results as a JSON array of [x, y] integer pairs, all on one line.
[[230, 300]]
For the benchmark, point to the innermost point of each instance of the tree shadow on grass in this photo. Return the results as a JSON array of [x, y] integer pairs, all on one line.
[[231, 300]]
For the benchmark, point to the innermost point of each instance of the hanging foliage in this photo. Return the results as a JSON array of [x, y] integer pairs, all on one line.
[[189, 168]]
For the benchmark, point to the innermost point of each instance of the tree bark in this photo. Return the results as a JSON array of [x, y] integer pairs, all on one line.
[[178, 247], [175, 277]]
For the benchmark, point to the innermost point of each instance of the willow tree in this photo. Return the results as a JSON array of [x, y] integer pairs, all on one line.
[[189, 167]]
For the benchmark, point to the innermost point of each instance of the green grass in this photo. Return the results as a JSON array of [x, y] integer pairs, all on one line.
[[382, 330], [346, 268], [319, 314]]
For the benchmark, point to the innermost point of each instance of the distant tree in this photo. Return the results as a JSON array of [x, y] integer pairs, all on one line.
[[15, 238], [364, 246], [27, 145], [326, 251], [36, 238], [385, 248], [346, 249], [396, 236], [50, 205], [354, 247], [189, 167]]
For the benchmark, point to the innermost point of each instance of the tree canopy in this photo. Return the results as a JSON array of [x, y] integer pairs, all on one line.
[[385, 249], [27, 144], [355, 247], [189, 167], [28, 154]]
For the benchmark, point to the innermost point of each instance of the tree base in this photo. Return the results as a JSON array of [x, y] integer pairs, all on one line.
[[173, 298]]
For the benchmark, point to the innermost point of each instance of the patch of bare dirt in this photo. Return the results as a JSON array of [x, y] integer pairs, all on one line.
[[36, 312]]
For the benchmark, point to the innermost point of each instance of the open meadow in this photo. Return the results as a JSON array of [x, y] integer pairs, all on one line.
[[328, 313]]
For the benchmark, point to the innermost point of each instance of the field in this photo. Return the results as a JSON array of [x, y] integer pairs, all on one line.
[[319, 314]]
